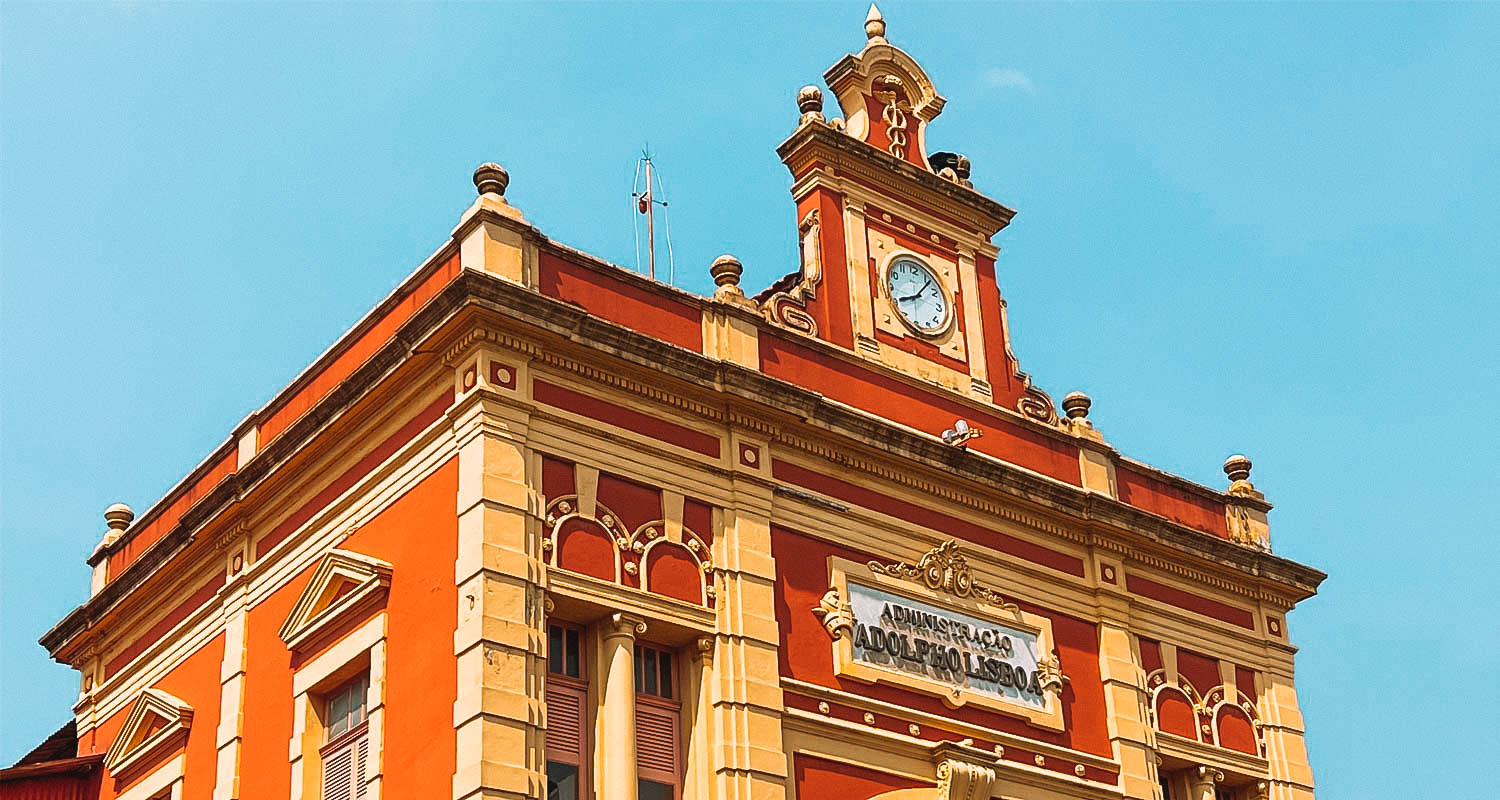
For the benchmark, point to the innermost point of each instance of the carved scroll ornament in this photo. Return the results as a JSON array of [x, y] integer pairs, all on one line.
[[835, 614], [789, 308], [944, 569]]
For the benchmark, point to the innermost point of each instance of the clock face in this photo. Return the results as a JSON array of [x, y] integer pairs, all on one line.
[[917, 295]]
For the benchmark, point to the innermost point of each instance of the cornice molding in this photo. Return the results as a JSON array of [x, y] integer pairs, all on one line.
[[487, 295], [854, 157]]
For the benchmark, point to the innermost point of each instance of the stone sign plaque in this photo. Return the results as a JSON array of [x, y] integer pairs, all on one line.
[[931, 629]]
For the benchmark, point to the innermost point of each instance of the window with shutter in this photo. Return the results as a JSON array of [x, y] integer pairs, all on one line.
[[658, 724], [567, 715], [346, 750], [344, 767]]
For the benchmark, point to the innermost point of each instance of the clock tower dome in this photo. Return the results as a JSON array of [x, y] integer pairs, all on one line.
[[897, 263]]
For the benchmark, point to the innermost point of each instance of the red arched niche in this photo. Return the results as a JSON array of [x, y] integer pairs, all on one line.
[[1236, 730], [584, 546], [1174, 713], [672, 571]]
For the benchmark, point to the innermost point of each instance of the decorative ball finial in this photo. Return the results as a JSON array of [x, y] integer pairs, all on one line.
[[726, 271], [810, 103], [491, 178], [1237, 467], [118, 517], [1076, 405], [874, 25]]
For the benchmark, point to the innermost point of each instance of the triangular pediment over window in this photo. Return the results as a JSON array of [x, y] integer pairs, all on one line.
[[343, 581], [155, 719]]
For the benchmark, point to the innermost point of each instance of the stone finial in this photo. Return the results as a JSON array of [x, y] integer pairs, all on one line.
[[874, 25], [810, 103], [491, 178], [118, 517], [1237, 467], [726, 271], [1076, 405]]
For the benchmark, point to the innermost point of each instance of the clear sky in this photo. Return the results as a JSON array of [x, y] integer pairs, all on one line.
[[1258, 227]]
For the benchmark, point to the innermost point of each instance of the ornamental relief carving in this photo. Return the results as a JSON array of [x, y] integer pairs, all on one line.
[[833, 610], [963, 780], [944, 569], [1205, 708], [632, 547], [788, 308]]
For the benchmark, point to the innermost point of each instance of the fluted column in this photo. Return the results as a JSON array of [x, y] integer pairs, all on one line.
[[617, 778]]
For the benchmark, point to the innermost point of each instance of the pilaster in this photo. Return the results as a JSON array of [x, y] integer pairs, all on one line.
[[1125, 703], [234, 602], [1286, 746], [748, 759], [499, 642]]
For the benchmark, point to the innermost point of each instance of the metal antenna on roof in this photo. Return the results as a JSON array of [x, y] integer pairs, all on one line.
[[649, 193]]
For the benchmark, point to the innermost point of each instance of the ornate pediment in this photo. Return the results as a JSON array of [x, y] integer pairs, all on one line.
[[886, 96], [942, 569], [343, 580], [155, 719]]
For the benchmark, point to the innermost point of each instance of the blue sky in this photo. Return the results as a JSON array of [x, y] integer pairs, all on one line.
[[1263, 227]]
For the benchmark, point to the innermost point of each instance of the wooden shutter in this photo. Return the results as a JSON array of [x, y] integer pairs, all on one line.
[[361, 762], [338, 774], [344, 769], [565, 719], [656, 732]]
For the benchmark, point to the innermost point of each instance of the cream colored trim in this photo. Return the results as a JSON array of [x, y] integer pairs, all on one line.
[[857, 245], [1170, 744], [924, 719], [703, 480], [227, 737], [850, 742], [336, 657], [370, 575], [968, 287], [365, 501], [169, 775], [639, 400], [586, 481], [247, 446], [152, 702], [307, 734], [372, 495], [632, 601]]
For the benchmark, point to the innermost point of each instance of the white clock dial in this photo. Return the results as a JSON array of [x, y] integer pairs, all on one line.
[[917, 295]]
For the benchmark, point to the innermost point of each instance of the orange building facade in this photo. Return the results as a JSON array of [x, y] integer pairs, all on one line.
[[541, 527]]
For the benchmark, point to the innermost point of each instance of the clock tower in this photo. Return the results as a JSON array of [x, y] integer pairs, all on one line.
[[897, 264]]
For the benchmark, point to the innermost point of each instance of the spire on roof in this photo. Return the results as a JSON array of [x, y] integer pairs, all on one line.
[[874, 25]]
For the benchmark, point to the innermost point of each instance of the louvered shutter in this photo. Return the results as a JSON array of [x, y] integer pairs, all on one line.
[[656, 731], [338, 774], [361, 762], [564, 724]]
